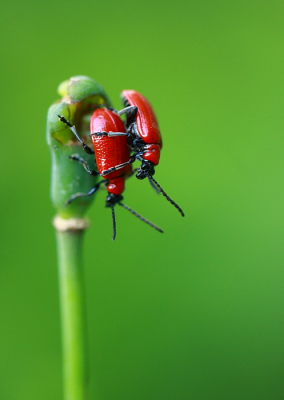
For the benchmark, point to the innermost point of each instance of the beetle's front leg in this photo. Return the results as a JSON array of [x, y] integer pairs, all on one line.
[[109, 134], [87, 149]]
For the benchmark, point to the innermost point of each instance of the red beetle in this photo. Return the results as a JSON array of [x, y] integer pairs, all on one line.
[[111, 149], [144, 138], [142, 124]]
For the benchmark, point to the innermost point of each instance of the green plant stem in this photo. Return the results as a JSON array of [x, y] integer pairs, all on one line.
[[72, 314]]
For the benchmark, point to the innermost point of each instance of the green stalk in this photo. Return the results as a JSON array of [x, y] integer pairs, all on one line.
[[81, 95], [71, 288]]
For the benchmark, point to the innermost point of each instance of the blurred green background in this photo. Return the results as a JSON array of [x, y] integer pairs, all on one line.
[[196, 313]]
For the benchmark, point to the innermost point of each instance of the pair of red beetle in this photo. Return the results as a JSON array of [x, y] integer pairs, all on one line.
[[113, 141]]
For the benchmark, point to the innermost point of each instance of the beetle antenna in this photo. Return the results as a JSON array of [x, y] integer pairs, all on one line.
[[154, 186], [140, 217], [165, 194], [113, 222]]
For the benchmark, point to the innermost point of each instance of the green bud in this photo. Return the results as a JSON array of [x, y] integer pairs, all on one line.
[[80, 97], [81, 87]]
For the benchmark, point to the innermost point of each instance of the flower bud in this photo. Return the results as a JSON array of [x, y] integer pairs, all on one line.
[[80, 97]]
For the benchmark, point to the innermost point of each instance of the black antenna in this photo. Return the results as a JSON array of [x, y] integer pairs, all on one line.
[[113, 222], [165, 194], [154, 186], [140, 217]]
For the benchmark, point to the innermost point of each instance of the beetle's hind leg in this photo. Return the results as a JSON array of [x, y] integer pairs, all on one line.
[[90, 193]]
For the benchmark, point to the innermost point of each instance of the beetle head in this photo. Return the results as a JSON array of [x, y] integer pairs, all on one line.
[[146, 169], [112, 199]]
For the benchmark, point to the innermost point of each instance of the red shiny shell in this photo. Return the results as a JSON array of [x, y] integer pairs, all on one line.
[[147, 124], [116, 185], [109, 151], [152, 153]]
